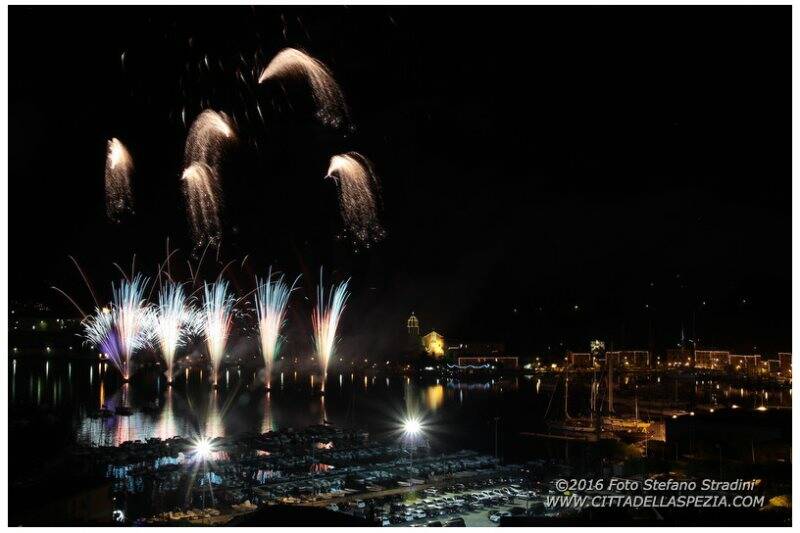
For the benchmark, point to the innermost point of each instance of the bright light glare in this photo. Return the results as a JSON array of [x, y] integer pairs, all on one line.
[[203, 448], [412, 426]]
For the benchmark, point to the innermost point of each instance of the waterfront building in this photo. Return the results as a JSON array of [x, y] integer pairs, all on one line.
[[785, 359], [712, 359], [630, 359], [749, 364], [433, 343], [580, 360]]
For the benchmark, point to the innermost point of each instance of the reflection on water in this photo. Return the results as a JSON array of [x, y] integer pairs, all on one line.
[[457, 410], [434, 397]]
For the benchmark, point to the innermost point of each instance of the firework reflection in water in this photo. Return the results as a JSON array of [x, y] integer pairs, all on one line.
[[218, 314], [119, 168], [325, 319], [359, 197], [328, 97], [272, 297]]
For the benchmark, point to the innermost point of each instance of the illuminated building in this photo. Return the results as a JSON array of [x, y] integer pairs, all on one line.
[[712, 359], [580, 360], [433, 343], [785, 359], [413, 325], [748, 364], [630, 358]]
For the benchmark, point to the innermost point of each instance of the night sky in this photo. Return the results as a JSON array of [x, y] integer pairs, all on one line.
[[550, 175]]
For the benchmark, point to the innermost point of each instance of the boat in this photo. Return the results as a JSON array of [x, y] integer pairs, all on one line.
[[631, 430]]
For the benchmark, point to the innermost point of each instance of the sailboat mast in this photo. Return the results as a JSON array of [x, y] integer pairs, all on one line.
[[610, 365]]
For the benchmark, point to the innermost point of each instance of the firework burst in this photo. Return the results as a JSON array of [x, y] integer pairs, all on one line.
[[328, 97], [359, 197], [119, 167], [174, 322], [210, 135], [325, 319], [272, 297], [218, 314]]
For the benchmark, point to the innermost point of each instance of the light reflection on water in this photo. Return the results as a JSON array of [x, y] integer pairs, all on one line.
[[191, 407]]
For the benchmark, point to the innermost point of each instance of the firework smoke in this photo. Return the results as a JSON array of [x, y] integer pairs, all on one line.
[[272, 297], [119, 167], [328, 97], [174, 322], [359, 197], [325, 319], [206, 142], [218, 313]]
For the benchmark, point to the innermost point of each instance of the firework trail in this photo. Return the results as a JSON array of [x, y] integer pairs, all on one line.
[[119, 167], [325, 319], [174, 322], [210, 134], [328, 97], [218, 313], [272, 297], [203, 196], [359, 197], [132, 317]]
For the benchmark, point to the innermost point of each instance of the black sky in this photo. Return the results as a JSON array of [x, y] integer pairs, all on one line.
[[631, 161]]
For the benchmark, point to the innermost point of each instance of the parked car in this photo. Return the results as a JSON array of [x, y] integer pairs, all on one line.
[[455, 522]]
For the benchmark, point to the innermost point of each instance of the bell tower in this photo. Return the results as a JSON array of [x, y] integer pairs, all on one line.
[[413, 325]]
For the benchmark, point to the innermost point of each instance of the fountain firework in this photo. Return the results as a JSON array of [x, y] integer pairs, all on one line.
[[98, 330], [272, 297], [208, 137], [218, 313], [131, 316], [325, 319], [359, 196], [174, 322], [119, 167], [328, 97]]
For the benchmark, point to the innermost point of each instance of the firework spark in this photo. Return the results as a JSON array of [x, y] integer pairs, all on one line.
[[174, 322], [210, 134], [203, 196], [359, 197], [272, 297], [131, 317], [119, 167], [325, 319], [328, 97], [218, 314]]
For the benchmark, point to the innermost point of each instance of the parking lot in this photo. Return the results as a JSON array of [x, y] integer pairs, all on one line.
[[477, 503]]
